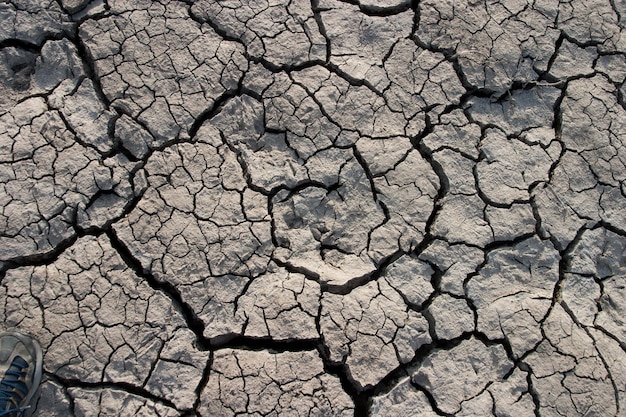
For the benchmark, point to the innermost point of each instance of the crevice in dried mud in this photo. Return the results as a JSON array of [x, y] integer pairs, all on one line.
[[214, 110], [204, 380], [431, 400], [120, 386], [43, 258], [370, 179], [564, 264], [320, 24], [195, 324], [354, 82], [360, 399], [89, 67], [444, 185], [391, 380], [201, 20], [379, 11], [264, 343], [357, 282], [70, 400], [20, 44], [533, 393]]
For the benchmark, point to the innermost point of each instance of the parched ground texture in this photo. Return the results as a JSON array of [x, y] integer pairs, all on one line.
[[316, 208]]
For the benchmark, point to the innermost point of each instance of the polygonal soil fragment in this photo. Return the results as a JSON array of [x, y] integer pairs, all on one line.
[[280, 305], [112, 402], [246, 382], [509, 396], [331, 239], [455, 262], [459, 374], [284, 33], [593, 288], [419, 80], [159, 66], [579, 363], [27, 72], [53, 174], [513, 292], [371, 329], [595, 298], [48, 174], [517, 112], [359, 43], [32, 21], [99, 323], [594, 21], [407, 192], [461, 218], [354, 107], [570, 374], [510, 167], [53, 398], [572, 60], [589, 176], [401, 401], [451, 317], [593, 126], [200, 228], [569, 201], [326, 218], [496, 43]]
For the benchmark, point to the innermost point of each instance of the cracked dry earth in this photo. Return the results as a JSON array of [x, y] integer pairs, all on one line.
[[316, 208]]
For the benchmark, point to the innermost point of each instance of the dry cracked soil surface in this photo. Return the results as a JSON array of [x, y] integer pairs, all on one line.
[[316, 208]]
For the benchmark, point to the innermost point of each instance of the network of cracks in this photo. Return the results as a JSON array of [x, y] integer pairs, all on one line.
[[316, 208]]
